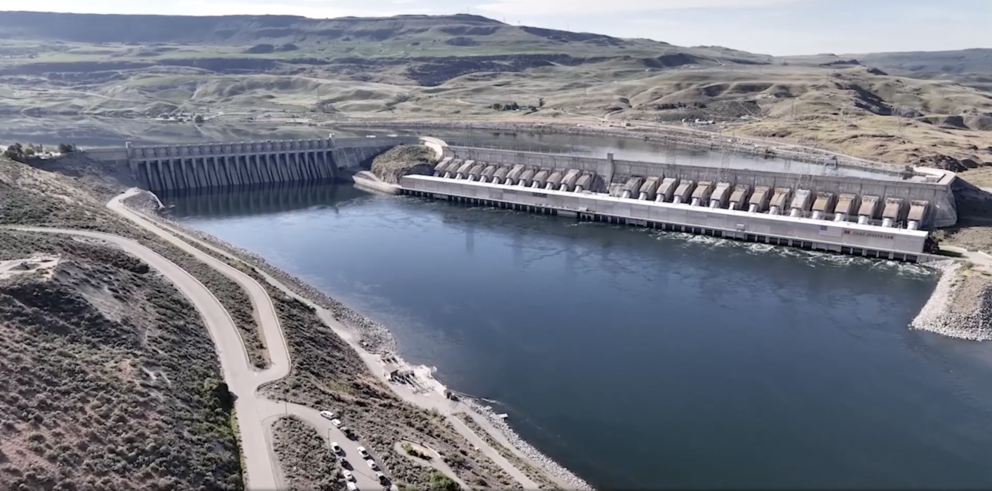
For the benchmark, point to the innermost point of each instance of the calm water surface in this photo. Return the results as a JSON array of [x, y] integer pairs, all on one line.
[[640, 359]]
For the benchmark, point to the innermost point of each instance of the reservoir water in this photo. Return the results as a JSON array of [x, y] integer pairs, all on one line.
[[641, 359]]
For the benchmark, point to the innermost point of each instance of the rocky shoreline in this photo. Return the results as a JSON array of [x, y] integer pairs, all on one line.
[[545, 463], [374, 336], [961, 304]]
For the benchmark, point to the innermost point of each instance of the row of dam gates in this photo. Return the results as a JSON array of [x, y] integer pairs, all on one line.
[[174, 168], [924, 200]]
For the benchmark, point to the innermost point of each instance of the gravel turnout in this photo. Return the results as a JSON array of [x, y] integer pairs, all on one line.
[[547, 465], [961, 304]]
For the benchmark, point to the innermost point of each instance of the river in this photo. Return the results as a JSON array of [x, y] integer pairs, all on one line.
[[641, 359]]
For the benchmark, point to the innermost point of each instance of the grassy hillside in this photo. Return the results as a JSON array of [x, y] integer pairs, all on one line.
[[920, 108]]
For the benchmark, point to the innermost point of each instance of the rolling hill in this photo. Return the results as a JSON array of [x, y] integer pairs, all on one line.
[[917, 108]]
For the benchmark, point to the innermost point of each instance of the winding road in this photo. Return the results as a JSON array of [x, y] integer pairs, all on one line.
[[255, 413]]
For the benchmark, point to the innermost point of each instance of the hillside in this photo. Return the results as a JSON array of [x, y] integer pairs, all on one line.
[[105, 71]]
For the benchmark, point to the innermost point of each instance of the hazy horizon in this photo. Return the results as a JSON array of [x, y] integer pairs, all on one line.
[[776, 27]]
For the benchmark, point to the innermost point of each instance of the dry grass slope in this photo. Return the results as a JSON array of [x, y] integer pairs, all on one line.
[[306, 460], [112, 382]]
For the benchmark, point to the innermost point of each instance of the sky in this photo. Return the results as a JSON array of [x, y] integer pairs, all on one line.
[[777, 27]]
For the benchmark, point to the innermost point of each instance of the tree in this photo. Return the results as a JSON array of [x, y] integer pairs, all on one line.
[[540, 102], [198, 119], [15, 152], [66, 148]]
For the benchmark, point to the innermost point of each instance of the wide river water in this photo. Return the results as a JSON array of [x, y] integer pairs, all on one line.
[[641, 359]]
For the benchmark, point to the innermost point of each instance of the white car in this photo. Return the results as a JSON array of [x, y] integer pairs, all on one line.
[[335, 447], [327, 414], [363, 452], [372, 464], [348, 476], [352, 486], [336, 423]]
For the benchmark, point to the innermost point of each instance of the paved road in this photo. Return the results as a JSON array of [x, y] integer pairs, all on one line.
[[255, 414], [255, 422], [241, 380], [434, 401]]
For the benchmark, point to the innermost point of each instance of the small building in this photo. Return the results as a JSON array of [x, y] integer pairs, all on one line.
[[394, 373]]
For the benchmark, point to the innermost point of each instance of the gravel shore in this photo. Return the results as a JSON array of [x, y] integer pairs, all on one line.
[[546, 464], [961, 304]]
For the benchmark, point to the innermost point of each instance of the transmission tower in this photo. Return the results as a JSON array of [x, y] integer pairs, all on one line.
[[725, 159], [671, 150], [811, 147]]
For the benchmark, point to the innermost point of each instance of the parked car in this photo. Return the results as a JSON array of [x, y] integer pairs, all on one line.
[[372, 464], [335, 447], [381, 477], [327, 414], [348, 475], [352, 486], [336, 423], [363, 452]]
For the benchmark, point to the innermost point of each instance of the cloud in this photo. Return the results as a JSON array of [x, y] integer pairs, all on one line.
[[308, 8], [579, 7]]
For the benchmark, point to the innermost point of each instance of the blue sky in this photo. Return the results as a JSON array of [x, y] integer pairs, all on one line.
[[779, 27]]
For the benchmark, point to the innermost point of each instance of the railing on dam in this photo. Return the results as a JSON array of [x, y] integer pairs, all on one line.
[[205, 165]]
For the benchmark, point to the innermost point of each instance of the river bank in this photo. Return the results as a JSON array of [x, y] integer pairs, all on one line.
[[961, 304], [376, 345]]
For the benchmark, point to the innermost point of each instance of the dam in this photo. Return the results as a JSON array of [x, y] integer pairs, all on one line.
[[881, 214], [171, 168]]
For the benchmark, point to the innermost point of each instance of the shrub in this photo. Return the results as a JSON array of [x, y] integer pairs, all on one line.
[[441, 482]]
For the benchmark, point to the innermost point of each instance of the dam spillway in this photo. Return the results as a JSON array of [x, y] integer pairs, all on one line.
[[881, 215], [173, 168]]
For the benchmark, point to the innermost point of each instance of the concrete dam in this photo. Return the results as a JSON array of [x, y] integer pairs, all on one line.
[[883, 215], [171, 168], [878, 214]]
